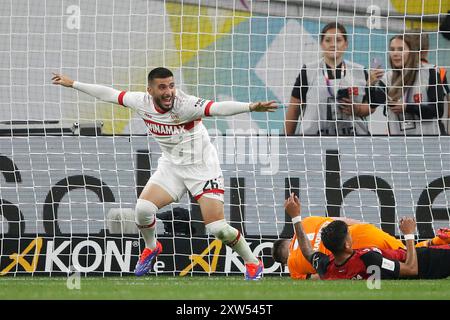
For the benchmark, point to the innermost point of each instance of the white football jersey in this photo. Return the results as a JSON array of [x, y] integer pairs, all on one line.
[[180, 133]]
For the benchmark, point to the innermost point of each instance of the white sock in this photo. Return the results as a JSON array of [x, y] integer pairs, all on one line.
[[146, 221], [233, 238], [243, 249]]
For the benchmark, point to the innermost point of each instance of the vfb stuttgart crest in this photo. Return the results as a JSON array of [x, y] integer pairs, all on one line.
[[175, 117]]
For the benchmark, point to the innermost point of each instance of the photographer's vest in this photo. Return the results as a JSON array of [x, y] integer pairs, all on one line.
[[445, 115], [410, 123], [322, 115]]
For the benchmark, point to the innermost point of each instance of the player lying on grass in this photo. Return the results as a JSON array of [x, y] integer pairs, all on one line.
[[364, 235], [344, 262], [189, 161]]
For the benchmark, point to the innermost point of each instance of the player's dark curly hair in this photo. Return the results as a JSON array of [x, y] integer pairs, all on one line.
[[333, 236], [277, 251], [159, 73]]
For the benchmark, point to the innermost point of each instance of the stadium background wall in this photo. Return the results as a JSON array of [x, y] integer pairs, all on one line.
[[60, 189]]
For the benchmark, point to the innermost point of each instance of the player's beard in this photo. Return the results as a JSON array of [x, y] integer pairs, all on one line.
[[160, 104]]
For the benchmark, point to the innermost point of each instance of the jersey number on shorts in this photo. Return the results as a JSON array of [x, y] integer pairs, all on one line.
[[213, 184]]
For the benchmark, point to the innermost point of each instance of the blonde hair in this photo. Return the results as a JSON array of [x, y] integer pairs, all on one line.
[[406, 76]]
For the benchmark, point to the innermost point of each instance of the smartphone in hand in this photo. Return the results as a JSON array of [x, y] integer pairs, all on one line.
[[342, 93], [376, 63]]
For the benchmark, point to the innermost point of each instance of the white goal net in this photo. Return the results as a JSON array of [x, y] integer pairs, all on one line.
[[72, 167]]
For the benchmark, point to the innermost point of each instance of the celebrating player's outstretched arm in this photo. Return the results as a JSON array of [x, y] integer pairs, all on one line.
[[62, 80], [101, 92], [269, 106], [163, 92]]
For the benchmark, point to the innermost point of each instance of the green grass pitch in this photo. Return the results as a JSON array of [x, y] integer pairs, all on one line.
[[217, 288]]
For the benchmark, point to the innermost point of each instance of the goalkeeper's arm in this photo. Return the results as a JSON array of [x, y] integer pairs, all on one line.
[[100, 92], [292, 206]]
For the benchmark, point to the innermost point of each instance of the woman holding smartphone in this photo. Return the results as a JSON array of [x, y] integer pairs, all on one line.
[[415, 94], [330, 95]]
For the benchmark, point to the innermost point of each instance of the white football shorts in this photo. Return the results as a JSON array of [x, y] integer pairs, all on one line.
[[204, 179]]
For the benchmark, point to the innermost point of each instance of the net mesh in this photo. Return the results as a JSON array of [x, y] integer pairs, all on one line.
[[73, 166]]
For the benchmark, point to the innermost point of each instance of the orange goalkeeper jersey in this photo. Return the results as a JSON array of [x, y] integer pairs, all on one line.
[[363, 236]]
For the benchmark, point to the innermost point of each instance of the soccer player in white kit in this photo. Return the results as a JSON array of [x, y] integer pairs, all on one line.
[[189, 161]]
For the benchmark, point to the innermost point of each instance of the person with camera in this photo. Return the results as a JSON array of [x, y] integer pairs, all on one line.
[[415, 93], [330, 96], [442, 72]]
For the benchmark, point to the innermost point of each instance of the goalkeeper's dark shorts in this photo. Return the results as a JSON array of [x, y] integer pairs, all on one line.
[[434, 262]]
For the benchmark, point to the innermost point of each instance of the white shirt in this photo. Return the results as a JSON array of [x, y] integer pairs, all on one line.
[[180, 133]]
